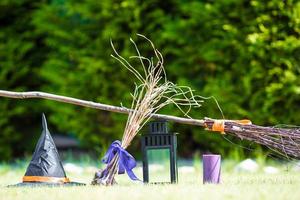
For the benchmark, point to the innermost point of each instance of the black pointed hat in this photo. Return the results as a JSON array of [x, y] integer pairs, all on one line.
[[45, 160], [45, 167]]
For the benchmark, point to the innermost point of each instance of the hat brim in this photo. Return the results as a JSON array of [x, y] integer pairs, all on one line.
[[44, 184]]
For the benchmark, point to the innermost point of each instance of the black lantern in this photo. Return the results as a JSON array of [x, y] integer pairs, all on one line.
[[159, 150]]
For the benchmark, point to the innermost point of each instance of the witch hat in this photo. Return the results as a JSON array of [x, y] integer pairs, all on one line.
[[45, 167]]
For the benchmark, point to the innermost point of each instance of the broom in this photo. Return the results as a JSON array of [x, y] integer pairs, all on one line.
[[284, 141]]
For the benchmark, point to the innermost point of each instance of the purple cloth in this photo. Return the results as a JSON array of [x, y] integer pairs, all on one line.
[[126, 161], [211, 168]]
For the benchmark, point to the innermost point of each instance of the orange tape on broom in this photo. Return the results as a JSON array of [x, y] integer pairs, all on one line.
[[219, 125], [45, 179]]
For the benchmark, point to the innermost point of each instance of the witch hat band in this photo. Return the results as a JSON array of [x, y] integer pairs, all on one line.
[[45, 167]]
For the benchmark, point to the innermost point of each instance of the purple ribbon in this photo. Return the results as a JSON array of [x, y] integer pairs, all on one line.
[[126, 161]]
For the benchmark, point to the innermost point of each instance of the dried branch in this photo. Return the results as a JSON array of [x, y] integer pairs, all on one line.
[[90, 104]]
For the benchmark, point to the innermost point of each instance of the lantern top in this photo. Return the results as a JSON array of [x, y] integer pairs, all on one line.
[[158, 127]]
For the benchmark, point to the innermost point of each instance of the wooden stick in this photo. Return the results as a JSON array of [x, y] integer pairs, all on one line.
[[90, 104]]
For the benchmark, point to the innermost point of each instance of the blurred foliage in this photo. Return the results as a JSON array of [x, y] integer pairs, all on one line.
[[244, 53]]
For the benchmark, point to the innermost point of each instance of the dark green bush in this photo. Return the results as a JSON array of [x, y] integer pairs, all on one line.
[[245, 53]]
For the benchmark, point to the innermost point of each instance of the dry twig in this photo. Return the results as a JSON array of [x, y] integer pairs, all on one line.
[[153, 93]]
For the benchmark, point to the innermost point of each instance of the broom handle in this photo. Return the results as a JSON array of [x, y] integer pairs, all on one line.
[[90, 104]]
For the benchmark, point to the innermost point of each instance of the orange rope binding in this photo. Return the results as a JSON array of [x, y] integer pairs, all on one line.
[[45, 179], [219, 125]]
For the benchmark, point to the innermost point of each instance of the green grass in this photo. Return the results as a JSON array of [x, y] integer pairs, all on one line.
[[284, 185]]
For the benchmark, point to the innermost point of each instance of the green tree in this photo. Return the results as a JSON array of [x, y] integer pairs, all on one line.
[[21, 56], [245, 53]]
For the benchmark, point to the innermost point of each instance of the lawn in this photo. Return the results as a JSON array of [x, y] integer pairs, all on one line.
[[282, 185]]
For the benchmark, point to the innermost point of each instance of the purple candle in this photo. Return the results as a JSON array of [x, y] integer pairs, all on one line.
[[211, 168]]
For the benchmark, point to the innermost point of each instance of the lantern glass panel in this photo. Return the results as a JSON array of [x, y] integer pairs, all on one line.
[[159, 165]]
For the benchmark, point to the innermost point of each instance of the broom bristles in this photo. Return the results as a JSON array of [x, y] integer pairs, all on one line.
[[284, 141]]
